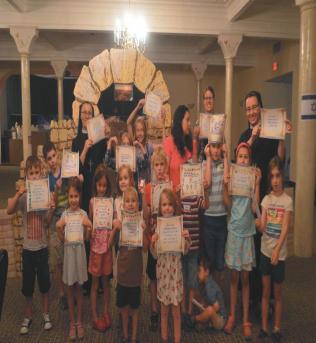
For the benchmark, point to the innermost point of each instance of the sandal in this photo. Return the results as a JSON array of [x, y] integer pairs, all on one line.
[[72, 332], [230, 325], [80, 331], [246, 329]]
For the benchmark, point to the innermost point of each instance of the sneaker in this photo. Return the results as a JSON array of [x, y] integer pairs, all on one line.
[[276, 336], [25, 326], [47, 323], [63, 303], [154, 320], [262, 336]]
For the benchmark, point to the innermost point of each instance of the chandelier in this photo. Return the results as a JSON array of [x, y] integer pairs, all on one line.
[[131, 32]]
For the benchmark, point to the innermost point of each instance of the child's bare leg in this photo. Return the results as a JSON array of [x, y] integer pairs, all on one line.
[[266, 289], [277, 305], [45, 303], [153, 296], [59, 280], [124, 314], [107, 294], [79, 303], [134, 314], [164, 321], [93, 297], [245, 295], [28, 307], [176, 323], [233, 292], [71, 306], [219, 277], [206, 315]]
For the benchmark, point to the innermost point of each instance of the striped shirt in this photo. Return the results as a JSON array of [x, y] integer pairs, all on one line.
[[216, 200], [190, 210]]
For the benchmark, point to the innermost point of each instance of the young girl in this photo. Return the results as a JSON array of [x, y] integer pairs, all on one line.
[[129, 270], [159, 166], [100, 262], [138, 130], [275, 220], [109, 157], [240, 254], [74, 222], [169, 272]]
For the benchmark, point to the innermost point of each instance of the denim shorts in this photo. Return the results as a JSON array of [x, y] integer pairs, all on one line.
[[214, 237], [189, 269]]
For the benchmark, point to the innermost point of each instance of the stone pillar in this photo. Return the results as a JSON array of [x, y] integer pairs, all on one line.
[[229, 44], [199, 69], [24, 36], [59, 68], [306, 133]]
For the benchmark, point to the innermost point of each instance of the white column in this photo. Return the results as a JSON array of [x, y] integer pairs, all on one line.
[[229, 44], [306, 134], [199, 71], [59, 67], [24, 36]]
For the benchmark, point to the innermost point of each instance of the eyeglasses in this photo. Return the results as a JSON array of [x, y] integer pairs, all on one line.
[[252, 108], [86, 113], [208, 98]]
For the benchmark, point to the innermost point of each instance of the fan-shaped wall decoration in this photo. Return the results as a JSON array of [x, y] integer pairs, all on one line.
[[122, 66]]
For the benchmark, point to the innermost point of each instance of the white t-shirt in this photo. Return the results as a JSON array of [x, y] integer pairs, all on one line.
[[276, 206]]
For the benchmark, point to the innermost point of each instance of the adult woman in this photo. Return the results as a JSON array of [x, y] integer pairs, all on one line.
[[178, 146], [90, 157], [263, 150], [208, 104]]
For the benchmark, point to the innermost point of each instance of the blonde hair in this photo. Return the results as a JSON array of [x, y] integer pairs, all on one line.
[[171, 197], [130, 190], [130, 175], [142, 121], [158, 154]]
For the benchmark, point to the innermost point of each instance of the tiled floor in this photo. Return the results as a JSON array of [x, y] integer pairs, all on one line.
[[299, 314]]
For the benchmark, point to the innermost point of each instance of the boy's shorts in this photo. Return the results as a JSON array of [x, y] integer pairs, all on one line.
[[100, 264], [151, 267], [189, 269], [215, 236], [55, 251], [127, 296], [276, 272], [218, 322], [35, 264]]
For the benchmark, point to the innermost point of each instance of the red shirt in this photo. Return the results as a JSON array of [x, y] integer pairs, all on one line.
[[175, 160]]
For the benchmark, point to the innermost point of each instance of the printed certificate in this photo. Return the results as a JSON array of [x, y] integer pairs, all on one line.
[[217, 128], [38, 195], [74, 228], [204, 125], [273, 123], [125, 154], [170, 234], [102, 213], [156, 189], [242, 180], [132, 231], [191, 180], [69, 164], [96, 128], [153, 105]]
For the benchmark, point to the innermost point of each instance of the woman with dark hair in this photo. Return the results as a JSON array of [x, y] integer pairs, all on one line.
[[178, 146], [90, 156]]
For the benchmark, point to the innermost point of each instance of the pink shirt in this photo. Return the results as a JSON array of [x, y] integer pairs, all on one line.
[[175, 160]]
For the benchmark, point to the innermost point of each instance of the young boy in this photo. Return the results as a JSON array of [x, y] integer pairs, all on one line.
[[35, 252], [215, 216], [210, 299], [60, 193]]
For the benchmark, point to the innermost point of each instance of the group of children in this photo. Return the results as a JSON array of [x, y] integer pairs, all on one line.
[[183, 283]]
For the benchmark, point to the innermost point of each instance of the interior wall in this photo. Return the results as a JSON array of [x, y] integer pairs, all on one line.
[[247, 79]]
